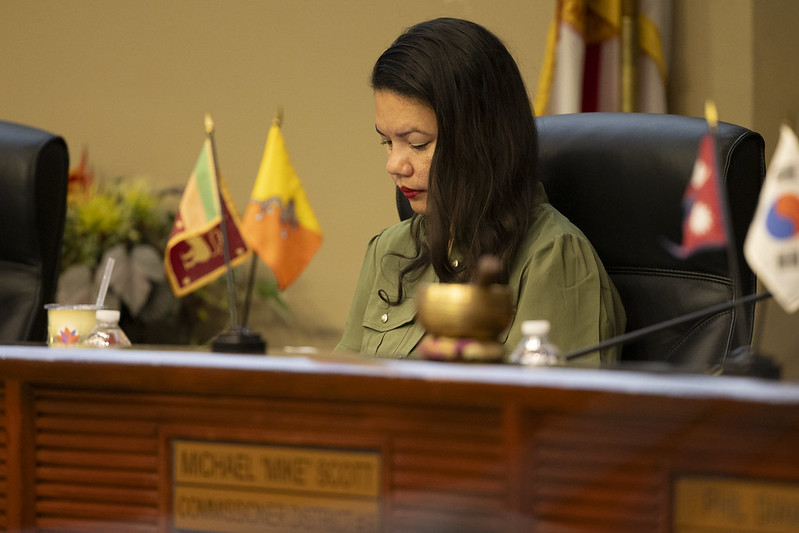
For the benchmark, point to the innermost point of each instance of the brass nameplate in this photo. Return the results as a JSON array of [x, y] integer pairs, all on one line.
[[243, 488], [716, 505]]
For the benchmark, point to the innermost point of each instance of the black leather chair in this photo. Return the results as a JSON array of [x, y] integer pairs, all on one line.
[[34, 170], [620, 177]]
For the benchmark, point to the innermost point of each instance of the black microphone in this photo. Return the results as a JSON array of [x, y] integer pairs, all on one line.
[[744, 362]]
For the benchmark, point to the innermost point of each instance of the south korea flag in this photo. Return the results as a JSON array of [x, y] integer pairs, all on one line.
[[772, 243]]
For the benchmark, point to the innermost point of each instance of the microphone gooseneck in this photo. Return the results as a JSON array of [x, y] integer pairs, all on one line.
[[654, 328]]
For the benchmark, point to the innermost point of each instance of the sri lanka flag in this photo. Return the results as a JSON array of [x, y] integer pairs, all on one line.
[[772, 243], [279, 223], [195, 250]]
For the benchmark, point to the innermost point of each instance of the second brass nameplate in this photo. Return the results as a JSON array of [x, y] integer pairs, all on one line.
[[735, 505]]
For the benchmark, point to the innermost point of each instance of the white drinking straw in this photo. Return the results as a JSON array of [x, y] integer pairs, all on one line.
[[109, 267]]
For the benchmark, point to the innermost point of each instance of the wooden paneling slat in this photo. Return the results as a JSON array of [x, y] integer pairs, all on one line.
[[98, 476]]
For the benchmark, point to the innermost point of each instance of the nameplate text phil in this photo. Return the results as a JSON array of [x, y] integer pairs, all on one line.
[[733, 505]]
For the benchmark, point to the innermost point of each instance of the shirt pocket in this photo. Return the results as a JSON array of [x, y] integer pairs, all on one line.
[[390, 330]]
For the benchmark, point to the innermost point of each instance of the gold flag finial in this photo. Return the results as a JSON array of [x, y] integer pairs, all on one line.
[[278, 120], [711, 115], [209, 124]]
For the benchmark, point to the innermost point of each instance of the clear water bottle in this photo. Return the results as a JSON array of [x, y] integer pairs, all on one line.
[[107, 333], [535, 348]]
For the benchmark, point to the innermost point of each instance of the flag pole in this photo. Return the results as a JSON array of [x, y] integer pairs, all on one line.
[[738, 311], [277, 121], [237, 339], [629, 56], [209, 132], [250, 289]]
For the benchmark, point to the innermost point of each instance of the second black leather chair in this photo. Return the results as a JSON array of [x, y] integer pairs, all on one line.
[[34, 169], [620, 177]]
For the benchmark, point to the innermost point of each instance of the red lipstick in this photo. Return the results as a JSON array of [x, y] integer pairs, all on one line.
[[409, 193]]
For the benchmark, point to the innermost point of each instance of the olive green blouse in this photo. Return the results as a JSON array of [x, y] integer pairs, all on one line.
[[556, 275]]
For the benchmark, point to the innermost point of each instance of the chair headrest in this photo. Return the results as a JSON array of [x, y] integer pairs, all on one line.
[[621, 178], [33, 168]]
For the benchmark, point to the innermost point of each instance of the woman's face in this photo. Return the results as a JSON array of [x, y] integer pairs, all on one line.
[[408, 130]]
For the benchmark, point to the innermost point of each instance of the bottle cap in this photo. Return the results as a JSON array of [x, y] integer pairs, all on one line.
[[535, 327], [108, 315]]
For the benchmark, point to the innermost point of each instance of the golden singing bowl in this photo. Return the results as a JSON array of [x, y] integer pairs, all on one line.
[[464, 310]]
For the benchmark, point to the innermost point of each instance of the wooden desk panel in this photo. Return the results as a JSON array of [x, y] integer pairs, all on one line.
[[88, 436]]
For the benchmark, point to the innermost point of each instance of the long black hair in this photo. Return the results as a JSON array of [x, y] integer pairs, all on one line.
[[483, 173]]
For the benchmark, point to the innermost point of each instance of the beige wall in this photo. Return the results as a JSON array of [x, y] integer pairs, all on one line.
[[775, 99], [713, 59], [131, 81]]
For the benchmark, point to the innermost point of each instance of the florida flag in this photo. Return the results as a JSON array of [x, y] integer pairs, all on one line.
[[195, 253], [279, 223], [583, 63], [772, 242], [703, 222]]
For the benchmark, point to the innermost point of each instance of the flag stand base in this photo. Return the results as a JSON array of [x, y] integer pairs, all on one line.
[[744, 361], [239, 340]]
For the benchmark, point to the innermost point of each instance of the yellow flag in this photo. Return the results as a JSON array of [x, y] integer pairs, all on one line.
[[279, 223]]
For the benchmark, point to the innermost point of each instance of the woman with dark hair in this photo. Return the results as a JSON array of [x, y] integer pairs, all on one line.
[[452, 110]]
